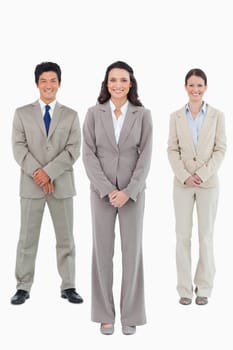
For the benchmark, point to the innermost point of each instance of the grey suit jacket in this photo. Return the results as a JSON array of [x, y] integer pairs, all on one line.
[[124, 165], [206, 157], [56, 153]]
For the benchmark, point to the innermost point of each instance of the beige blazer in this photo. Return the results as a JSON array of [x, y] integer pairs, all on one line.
[[206, 157], [124, 165], [56, 153]]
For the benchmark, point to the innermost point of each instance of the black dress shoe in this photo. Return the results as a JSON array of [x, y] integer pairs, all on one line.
[[20, 297], [71, 295]]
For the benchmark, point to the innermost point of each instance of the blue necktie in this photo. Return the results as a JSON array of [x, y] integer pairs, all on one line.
[[47, 118]]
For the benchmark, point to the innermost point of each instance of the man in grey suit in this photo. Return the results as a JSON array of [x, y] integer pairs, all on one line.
[[46, 142]]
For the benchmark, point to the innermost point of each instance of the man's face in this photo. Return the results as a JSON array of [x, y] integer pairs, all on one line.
[[48, 85]]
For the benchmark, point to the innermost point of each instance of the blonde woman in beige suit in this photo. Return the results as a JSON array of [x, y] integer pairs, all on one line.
[[117, 135], [196, 148]]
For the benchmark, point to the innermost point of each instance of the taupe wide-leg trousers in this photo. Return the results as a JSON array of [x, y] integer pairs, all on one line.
[[206, 200], [130, 216], [32, 210]]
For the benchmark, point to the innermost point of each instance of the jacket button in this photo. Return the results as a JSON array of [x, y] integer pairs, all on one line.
[[194, 159]]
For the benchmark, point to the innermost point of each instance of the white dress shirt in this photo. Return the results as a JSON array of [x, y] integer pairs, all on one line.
[[42, 106], [118, 122]]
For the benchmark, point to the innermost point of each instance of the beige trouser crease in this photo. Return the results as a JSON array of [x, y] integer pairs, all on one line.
[[206, 200]]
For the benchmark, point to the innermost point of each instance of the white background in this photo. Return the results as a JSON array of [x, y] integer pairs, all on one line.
[[161, 40]]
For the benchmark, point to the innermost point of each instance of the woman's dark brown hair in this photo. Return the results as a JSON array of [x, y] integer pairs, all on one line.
[[196, 72], [104, 95]]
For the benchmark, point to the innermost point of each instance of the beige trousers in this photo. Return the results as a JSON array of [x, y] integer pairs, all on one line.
[[32, 210], [132, 305], [206, 200]]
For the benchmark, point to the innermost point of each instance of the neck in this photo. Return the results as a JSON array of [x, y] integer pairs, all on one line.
[[118, 103], [195, 107], [47, 101]]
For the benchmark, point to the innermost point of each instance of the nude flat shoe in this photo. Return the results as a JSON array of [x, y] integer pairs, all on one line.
[[201, 300], [128, 330], [106, 330], [185, 301]]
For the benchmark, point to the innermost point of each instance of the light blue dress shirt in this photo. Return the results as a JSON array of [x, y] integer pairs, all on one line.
[[196, 123]]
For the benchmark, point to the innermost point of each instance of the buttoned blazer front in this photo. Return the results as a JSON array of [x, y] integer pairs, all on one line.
[[124, 165], [55, 153], [204, 159]]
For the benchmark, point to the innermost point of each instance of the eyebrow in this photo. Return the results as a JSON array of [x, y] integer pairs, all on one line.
[[126, 78], [44, 79]]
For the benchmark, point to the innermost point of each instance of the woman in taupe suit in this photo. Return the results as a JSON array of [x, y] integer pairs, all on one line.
[[117, 147], [196, 148]]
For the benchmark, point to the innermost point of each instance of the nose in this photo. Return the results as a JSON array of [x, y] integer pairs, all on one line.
[[48, 86], [118, 84]]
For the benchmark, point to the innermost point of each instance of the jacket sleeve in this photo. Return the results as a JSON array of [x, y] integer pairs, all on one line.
[[173, 151], [22, 155], [212, 165], [91, 162], [137, 181], [64, 160]]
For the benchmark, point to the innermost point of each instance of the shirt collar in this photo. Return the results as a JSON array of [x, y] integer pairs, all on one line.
[[42, 105], [203, 108], [123, 107]]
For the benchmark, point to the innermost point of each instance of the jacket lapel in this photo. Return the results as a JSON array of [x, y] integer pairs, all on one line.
[[55, 119], [186, 131], [128, 123], [206, 127], [106, 117], [38, 117]]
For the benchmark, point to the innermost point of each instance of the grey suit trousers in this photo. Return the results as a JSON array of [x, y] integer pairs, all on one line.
[[132, 305], [32, 210]]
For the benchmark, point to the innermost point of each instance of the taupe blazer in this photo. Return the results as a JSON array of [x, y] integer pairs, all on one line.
[[124, 165], [206, 157], [56, 153]]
